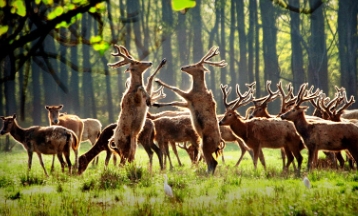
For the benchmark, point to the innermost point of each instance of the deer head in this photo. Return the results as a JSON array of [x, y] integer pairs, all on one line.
[[8, 123], [134, 65], [54, 113], [190, 69], [297, 111], [243, 99]]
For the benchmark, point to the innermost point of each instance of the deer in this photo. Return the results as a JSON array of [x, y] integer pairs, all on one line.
[[261, 133], [333, 110], [321, 135], [72, 122], [200, 101], [260, 110], [91, 131], [172, 130], [134, 105], [145, 138], [42, 140]]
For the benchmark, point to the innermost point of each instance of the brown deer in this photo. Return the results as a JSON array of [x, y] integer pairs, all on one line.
[[260, 110], [174, 130], [91, 131], [134, 106], [321, 135], [42, 140], [260, 132], [72, 122], [200, 101], [145, 138]]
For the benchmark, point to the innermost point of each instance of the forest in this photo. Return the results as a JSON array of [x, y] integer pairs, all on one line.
[[56, 52]]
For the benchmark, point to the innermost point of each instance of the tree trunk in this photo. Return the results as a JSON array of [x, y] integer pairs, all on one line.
[[296, 57], [244, 75], [347, 37], [74, 105], [317, 66]]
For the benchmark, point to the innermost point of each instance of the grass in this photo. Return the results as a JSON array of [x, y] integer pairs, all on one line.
[[134, 190]]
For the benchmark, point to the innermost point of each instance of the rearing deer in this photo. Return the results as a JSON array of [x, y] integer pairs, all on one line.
[[133, 105], [200, 101]]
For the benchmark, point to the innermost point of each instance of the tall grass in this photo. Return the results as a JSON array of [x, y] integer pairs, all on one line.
[[134, 190]]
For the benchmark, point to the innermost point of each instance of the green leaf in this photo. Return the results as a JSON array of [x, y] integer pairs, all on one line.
[[19, 8], [51, 15], [58, 11], [3, 29], [2, 3], [101, 47], [95, 39], [92, 10], [62, 24], [179, 5]]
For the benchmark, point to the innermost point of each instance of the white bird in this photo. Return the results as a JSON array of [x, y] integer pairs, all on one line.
[[306, 182], [168, 190]]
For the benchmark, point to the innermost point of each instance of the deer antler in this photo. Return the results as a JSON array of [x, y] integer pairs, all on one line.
[[226, 91], [306, 95], [243, 99], [346, 105], [121, 52], [287, 99], [211, 53], [272, 95]]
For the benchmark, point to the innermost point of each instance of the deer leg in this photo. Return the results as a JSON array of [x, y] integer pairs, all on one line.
[[299, 159], [53, 163], [174, 147], [108, 157], [62, 162], [168, 155], [175, 103], [311, 156], [172, 88], [149, 153], [159, 154], [76, 158], [243, 151], [67, 157], [340, 159], [133, 149], [42, 163], [29, 163], [290, 158], [256, 154], [262, 158]]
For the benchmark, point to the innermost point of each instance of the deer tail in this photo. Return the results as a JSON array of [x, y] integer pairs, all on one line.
[[75, 142]]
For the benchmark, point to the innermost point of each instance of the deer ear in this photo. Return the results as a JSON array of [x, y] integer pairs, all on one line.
[[2, 117], [60, 106], [47, 107], [304, 108], [14, 116]]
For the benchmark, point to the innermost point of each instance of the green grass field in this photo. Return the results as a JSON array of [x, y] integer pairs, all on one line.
[[133, 190]]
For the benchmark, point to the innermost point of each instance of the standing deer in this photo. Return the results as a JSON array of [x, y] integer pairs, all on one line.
[[321, 135], [72, 122], [134, 105], [200, 101], [262, 133], [42, 140]]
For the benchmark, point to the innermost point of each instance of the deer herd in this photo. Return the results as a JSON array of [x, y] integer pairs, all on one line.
[[199, 130]]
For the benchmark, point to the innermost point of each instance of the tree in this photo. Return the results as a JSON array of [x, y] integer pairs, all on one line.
[[296, 56], [317, 53], [348, 45]]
